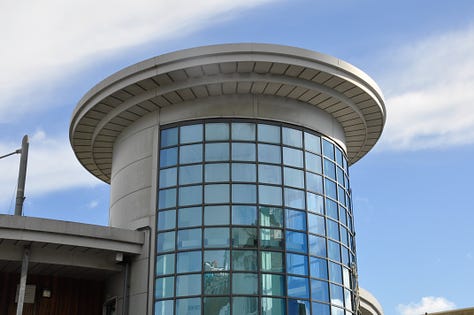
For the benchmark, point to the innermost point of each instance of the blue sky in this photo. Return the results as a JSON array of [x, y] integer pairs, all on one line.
[[412, 193]]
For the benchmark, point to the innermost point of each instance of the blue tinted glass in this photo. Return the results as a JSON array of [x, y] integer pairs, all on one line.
[[169, 137], [168, 157], [341, 194], [190, 153], [331, 209], [216, 215], [273, 284], [269, 153], [319, 290], [192, 133], [316, 224], [339, 156], [168, 177], [270, 216], [216, 260], [313, 163], [188, 285], [271, 261], [243, 131], [329, 169], [216, 305], [218, 193], [330, 188], [294, 198], [345, 256], [190, 174], [244, 283], [328, 149], [293, 177], [296, 241], [348, 299], [244, 237], [244, 305], [298, 287], [343, 217], [314, 183], [244, 215], [270, 195], [190, 238], [269, 174], [243, 151], [298, 307], [297, 264], [216, 237], [272, 238], [335, 272], [189, 217], [164, 264], [295, 220], [334, 251], [165, 242], [164, 287], [292, 157], [217, 151], [317, 245], [166, 220], [244, 260], [340, 176], [244, 193], [190, 195], [312, 143], [216, 172], [188, 306], [188, 262], [164, 307], [337, 295], [217, 131], [242, 172], [292, 137], [318, 268], [344, 238], [167, 198], [216, 284], [315, 203], [333, 230], [268, 133], [320, 309], [273, 306]]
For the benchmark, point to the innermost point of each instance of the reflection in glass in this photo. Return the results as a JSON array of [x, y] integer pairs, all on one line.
[[166, 220], [271, 261], [313, 163], [188, 306], [244, 305], [216, 237], [244, 215], [164, 287], [243, 151], [269, 174], [190, 174], [188, 217], [314, 182], [331, 190], [318, 268], [216, 215], [333, 229], [216, 260], [164, 264], [168, 157], [329, 169], [244, 283], [165, 241], [316, 224], [216, 172], [188, 285], [168, 177], [190, 238], [164, 307], [292, 157], [294, 198], [269, 195], [167, 198], [295, 220], [298, 307], [320, 309], [169, 137], [191, 133], [272, 217], [216, 283], [268, 133], [190, 154], [273, 284], [292, 137], [293, 177], [244, 260], [296, 242], [337, 295], [298, 287], [244, 237], [312, 143], [244, 193], [319, 290], [328, 149], [334, 251], [190, 195], [243, 131], [331, 209], [335, 272], [217, 193], [216, 306], [297, 264], [273, 306], [242, 172], [269, 153], [271, 238], [217, 131], [188, 262], [315, 203], [317, 245], [217, 151]]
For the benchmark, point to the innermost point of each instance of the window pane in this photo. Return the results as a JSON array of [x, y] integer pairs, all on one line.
[[244, 283], [270, 216], [188, 217], [314, 182], [272, 306], [164, 307], [271, 238], [217, 131], [216, 193], [320, 309], [188, 262], [243, 172], [268, 133], [292, 137], [273, 284], [190, 153], [313, 163], [216, 283], [269, 153], [328, 149], [188, 306], [318, 268], [165, 242], [216, 306], [168, 157], [340, 176], [333, 229], [243, 131], [190, 238], [269, 195], [216, 237], [330, 188], [164, 264], [244, 215], [335, 272], [293, 177], [243, 151], [312, 143], [190, 174], [316, 224], [339, 156], [334, 251], [166, 220], [216, 172], [271, 261], [244, 305], [269, 174], [216, 215], [294, 198], [169, 137], [188, 285], [331, 209], [315, 203], [329, 169], [192, 133], [190, 195], [317, 245], [292, 157], [244, 260], [319, 290], [164, 287], [167, 198], [296, 241], [244, 237], [337, 295], [242, 193], [295, 220], [297, 264], [298, 287], [217, 151], [168, 177], [298, 307], [216, 260], [348, 299]]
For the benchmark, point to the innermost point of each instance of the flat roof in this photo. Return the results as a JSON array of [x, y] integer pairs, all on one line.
[[325, 82]]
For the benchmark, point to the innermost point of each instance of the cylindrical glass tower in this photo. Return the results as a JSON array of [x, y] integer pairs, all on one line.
[[237, 157]]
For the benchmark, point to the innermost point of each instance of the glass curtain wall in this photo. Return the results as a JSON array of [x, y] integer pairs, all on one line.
[[253, 217]]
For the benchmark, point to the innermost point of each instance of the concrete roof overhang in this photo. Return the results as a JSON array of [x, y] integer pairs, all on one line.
[[65, 248], [330, 84]]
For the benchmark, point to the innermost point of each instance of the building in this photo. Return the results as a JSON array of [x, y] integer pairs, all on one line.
[[460, 311], [228, 168]]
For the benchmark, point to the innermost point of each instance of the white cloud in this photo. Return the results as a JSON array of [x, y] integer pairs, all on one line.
[[429, 89], [93, 204], [43, 40], [428, 304]]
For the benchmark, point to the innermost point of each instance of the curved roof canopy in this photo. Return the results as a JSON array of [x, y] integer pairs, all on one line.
[[330, 84]]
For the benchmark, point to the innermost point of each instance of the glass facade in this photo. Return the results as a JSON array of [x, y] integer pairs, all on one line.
[[253, 217]]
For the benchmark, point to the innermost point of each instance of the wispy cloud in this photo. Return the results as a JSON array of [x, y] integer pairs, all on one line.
[[93, 204], [43, 40], [428, 304], [429, 89]]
